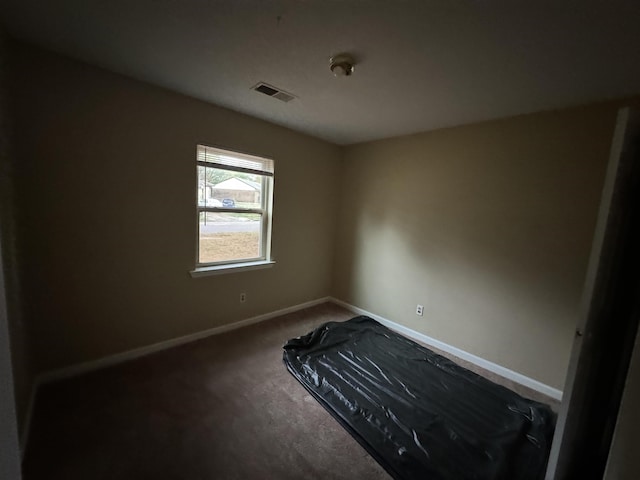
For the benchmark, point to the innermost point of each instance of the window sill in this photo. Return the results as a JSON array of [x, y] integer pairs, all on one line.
[[231, 268]]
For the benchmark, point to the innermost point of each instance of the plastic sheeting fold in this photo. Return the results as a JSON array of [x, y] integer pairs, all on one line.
[[420, 415]]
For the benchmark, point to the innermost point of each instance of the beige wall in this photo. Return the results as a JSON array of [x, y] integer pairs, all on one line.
[[107, 211], [489, 226]]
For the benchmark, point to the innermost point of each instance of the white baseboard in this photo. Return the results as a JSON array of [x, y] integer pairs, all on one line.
[[116, 358], [121, 357], [469, 357]]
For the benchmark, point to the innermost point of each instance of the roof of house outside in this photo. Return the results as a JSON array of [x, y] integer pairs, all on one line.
[[237, 184]]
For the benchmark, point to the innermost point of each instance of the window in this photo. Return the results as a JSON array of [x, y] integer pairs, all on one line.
[[235, 196]]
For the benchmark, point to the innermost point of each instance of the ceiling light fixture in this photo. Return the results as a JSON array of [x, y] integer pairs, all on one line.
[[342, 65]]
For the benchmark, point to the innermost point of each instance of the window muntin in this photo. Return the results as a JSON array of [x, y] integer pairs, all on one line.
[[234, 198]]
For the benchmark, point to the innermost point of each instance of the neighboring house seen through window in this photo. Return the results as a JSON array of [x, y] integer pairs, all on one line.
[[235, 193]]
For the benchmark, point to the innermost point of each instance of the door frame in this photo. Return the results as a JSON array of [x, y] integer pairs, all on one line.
[[608, 323]]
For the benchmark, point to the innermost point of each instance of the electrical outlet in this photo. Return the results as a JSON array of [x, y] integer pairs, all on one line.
[[243, 297], [419, 310]]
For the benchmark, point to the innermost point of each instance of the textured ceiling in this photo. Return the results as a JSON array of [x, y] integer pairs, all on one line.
[[422, 64]]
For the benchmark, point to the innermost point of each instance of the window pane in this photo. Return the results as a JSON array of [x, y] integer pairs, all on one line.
[[206, 177], [224, 188], [229, 236]]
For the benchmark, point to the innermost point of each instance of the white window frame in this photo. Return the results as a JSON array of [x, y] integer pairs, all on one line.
[[233, 161]]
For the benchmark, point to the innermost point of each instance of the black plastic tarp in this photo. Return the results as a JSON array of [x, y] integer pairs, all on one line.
[[420, 415]]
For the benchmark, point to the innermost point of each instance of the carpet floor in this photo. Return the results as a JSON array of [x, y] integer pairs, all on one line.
[[224, 407]]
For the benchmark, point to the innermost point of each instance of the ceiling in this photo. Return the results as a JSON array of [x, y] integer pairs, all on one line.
[[421, 64]]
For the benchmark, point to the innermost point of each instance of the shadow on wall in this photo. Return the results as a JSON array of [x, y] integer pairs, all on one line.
[[489, 226]]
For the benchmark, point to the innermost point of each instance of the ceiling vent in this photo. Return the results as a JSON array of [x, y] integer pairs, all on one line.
[[273, 92]]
